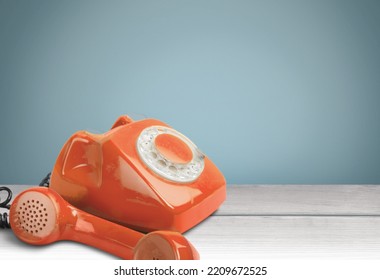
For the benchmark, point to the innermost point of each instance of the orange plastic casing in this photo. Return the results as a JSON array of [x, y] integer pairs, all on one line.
[[103, 174]]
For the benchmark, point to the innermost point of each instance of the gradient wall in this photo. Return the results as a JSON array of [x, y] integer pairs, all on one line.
[[272, 91]]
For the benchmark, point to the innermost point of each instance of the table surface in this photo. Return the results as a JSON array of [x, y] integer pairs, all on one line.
[[260, 222]]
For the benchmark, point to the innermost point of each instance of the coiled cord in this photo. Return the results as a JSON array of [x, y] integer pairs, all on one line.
[[45, 181], [4, 222]]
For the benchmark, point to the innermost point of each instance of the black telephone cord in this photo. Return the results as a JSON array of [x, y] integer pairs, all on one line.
[[4, 221]]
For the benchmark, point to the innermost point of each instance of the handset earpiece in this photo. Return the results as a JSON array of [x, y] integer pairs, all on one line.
[[40, 216]]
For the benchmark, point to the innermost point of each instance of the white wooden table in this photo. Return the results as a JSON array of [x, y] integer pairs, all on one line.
[[261, 222]]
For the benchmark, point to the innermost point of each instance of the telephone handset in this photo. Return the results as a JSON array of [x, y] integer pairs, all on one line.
[[105, 190], [40, 216], [140, 174]]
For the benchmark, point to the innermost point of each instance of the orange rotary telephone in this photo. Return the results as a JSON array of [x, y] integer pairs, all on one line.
[[106, 189], [141, 174]]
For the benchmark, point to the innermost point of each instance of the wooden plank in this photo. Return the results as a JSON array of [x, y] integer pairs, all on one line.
[[13, 249], [236, 237], [301, 200], [242, 238], [289, 200]]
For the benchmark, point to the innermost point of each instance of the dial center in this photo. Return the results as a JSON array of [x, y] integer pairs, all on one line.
[[173, 148]]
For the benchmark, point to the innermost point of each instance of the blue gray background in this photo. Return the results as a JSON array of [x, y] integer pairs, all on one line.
[[272, 91]]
